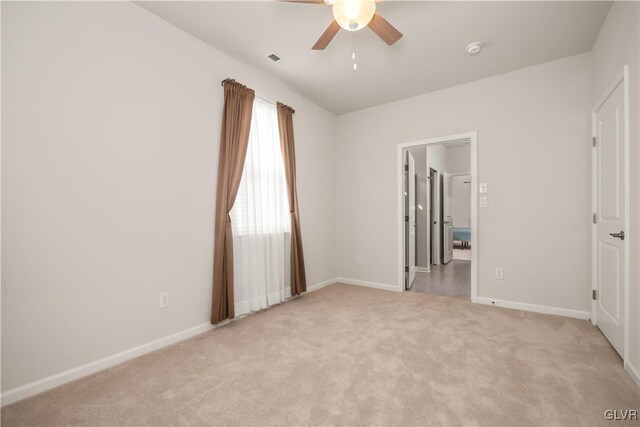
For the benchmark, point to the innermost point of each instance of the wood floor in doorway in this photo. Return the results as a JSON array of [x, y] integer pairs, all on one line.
[[450, 280]]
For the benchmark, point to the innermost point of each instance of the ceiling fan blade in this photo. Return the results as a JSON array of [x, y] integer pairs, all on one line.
[[327, 36], [387, 32]]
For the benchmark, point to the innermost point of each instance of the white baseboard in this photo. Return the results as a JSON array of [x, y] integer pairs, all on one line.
[[423, 270], [566, 312], [322, 284], [633, 372], [368, 284], [47, 383]]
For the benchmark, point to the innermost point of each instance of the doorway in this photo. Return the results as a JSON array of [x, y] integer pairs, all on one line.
[[437, 217]]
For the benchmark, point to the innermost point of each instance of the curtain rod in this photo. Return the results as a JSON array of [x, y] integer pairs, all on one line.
[[261, 97], [266, 100]]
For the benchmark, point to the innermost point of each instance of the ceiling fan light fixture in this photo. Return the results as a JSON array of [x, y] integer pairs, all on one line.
[[353, 15]]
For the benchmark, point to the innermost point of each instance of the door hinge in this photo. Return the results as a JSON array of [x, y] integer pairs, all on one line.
[[406, 218], [593, 141], [594, 294], [406, 268], [406, 168], [595, 218]]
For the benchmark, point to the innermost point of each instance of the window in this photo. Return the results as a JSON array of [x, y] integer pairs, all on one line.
[[260, 218], [262, 205]]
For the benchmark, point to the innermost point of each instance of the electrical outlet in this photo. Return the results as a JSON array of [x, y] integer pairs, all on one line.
[[360, 260], [483, 202], [164, 300], [499, 273]]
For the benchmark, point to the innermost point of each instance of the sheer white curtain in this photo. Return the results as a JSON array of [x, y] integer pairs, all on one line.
[[260, 218]]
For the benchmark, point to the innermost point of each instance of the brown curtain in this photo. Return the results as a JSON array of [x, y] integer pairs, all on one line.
[[236, 123], [285, 125]]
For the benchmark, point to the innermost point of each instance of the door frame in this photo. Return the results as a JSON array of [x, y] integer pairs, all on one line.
[[433, 175], [436, 232], [623, 78], [472, 137], [441, 198], [407, 229]]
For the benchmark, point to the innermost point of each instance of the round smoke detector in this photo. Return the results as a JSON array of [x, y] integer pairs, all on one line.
[[474, 48]]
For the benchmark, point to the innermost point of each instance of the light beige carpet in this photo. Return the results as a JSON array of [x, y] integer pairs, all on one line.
[[347, 355]]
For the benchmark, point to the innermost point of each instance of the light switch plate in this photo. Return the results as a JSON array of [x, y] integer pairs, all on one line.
[[483, 187], [483, 202]]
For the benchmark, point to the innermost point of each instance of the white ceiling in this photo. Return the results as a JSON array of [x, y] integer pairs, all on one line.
[[430, 56]]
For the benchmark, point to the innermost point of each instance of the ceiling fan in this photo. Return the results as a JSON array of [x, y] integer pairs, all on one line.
[[354, 15]]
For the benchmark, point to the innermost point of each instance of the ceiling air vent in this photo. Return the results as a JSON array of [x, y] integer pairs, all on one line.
[[277, 59]]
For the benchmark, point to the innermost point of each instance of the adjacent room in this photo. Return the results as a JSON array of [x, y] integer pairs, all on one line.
[[437, 214], [320, 213]]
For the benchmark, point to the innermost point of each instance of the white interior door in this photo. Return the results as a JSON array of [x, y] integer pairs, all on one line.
[[411, 197], [429, 221], [447, 220], [436, 219], [610, 217]]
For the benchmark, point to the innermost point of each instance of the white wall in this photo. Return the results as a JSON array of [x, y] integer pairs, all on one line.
[[461, 201], [453, 159], [437, 157], [618, 44], [458, 159], [529, 120], [111, 126]]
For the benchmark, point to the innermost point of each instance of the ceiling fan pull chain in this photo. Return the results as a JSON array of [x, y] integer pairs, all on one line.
[[353, 54]]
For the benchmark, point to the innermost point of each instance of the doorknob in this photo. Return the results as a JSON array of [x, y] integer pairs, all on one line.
[[619, 235]]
